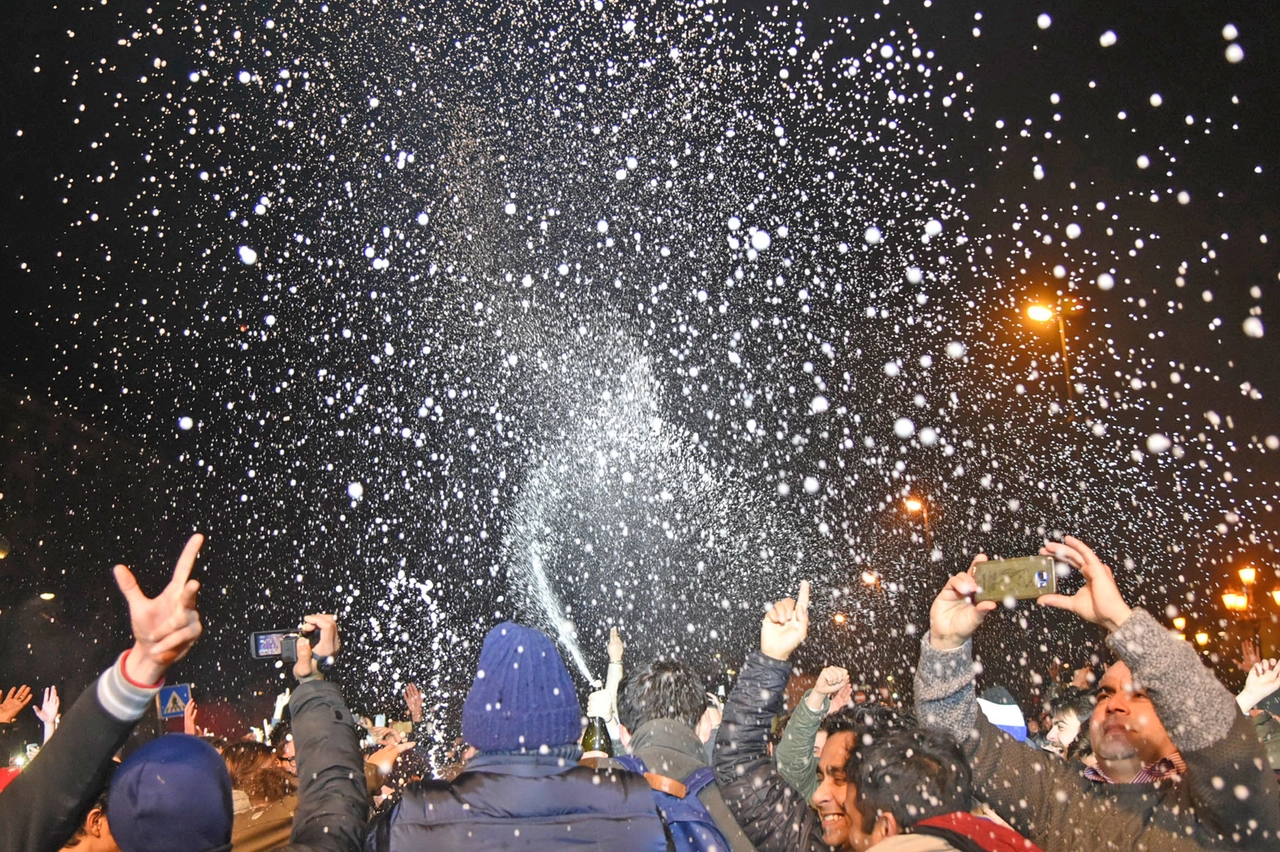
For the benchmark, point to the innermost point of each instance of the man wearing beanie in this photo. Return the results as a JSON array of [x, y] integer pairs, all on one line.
[[525, 789]]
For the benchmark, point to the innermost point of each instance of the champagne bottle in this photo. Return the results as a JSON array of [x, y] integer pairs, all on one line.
[[595, 740]]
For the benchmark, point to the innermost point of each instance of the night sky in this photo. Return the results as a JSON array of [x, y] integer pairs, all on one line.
[[389, 300]]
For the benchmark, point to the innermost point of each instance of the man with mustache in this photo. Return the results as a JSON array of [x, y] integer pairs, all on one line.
[[1162, 714]]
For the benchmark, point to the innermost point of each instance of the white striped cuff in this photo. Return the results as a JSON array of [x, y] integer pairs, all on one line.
[[121, 699]]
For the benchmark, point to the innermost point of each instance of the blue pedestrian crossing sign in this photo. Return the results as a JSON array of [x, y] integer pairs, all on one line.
[[174, 700]]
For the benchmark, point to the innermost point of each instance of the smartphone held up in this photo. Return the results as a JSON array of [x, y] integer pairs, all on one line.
[[1023, 579]]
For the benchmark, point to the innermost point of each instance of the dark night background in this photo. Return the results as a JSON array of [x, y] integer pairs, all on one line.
[[89, 479]]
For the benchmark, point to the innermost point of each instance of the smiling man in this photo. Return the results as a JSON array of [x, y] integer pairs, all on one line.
[[881, 786], [1068, 714]]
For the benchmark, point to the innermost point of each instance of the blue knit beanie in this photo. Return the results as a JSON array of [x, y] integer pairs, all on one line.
[[522, 697], [173, 793]]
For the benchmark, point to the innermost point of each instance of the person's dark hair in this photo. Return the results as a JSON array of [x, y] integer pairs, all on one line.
[[869, 723], [1081, 747], [280, 734], [1077, 700], [661, 689], [100, 803], [253, 769], [914, 775]]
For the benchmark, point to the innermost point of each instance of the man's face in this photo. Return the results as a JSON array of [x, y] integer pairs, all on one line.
[[1124, 722], [836, 798], [1064, 729]]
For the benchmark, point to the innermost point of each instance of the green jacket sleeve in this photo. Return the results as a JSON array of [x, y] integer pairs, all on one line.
[[794, 754]]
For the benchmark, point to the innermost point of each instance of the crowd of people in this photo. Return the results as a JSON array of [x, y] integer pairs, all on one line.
[[1153, 754]]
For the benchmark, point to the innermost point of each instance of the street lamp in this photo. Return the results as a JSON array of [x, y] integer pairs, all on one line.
[[915, 504], [1235, 601], [1047, 313]]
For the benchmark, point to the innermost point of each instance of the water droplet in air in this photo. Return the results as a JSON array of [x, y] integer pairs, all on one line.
[[1043, 21], [904, 428], [1107, 39], [1235, 53], [872, 236], [248, 256], [1106, 281], [185, 423], [355, 490], [1157, 444], [1253, 327]]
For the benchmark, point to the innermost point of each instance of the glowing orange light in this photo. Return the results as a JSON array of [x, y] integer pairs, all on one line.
[[1040, 313], [869, 578], [1248, 575], [1202, 638], [47, 596], [1235, 601], [914, 505], [1275, 596], [840, 618], [1180, 623]]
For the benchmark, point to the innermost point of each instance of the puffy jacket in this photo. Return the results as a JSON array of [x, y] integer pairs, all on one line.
[[774, 815], [505, 801]]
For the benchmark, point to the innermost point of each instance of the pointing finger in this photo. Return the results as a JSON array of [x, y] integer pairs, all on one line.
[[802, 601]]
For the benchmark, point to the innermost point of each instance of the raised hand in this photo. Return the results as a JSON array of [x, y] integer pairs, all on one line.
[[13, 703], [1263, 679], [385, 757], [841, 698], [954, 617], [786, 625], [189, 719], [306, 665], [166, 626], [1249, 656], [282, 701], [327, 644], [1099, 601], [47, 712], [831, 681], [615, 646], [413, 698]]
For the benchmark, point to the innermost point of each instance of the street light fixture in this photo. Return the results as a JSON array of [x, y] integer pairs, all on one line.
[[1235, 601], [1248, 575], [915, 504], [1058, 311], [1202, 638]]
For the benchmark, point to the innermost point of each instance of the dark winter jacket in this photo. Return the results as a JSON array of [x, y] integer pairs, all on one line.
[[333, 805], [774, 815], [505, 801], [1227, 799], [45, 805], [673, 749]]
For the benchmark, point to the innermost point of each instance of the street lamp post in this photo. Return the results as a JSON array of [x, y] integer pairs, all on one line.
[[1045, 313], [914, 504]]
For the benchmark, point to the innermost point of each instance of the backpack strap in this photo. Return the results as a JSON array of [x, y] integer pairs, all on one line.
[[698, 779], [661, 783]]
